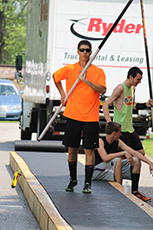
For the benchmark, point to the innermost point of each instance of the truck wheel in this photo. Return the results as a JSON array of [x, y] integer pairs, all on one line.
[[25, 135]]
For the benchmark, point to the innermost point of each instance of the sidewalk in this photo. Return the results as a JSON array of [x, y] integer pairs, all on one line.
[[15, 213]]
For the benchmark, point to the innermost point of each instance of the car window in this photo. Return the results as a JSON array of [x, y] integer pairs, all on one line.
[[7, 90]]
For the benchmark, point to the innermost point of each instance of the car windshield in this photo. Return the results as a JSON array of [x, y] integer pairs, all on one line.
[[7, 90]]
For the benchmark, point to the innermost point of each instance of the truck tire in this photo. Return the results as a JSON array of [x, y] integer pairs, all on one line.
[[25, 135]]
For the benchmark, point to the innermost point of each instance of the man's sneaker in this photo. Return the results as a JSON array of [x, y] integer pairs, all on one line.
[[142, 197], [70, 187], [87, 188]]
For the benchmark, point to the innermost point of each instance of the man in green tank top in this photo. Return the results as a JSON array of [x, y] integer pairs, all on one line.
[[123, 99]]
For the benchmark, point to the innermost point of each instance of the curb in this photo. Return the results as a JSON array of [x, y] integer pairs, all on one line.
[[38, 200]]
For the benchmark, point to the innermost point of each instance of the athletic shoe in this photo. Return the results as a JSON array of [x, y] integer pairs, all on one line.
[[87, 188], [70, 187], [142, 197]]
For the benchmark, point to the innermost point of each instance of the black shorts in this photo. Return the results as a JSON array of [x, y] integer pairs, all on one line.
[[75, 130], [132, 140]]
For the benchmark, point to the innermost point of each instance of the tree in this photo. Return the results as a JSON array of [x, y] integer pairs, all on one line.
[[13, 17]]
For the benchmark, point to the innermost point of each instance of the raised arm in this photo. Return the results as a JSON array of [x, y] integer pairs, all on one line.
[[96, 87]]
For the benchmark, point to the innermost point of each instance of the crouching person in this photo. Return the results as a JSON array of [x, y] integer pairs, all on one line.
[[112, 164]]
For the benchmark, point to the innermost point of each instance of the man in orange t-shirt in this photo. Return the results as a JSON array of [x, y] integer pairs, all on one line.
[[82, 111]]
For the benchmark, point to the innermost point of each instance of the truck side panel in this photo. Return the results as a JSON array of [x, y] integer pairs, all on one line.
[[76, 20], [36, 52]]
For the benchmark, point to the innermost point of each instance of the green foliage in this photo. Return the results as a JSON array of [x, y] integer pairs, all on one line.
[[148, 146], [13, 30]]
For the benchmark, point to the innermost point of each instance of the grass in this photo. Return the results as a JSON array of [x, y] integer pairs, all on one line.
[[8, 121], [148, 146]]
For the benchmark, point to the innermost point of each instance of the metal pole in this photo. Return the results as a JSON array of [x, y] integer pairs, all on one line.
[[146, 48], [86, 67]]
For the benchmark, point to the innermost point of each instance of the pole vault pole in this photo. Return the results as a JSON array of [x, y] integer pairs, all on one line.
[[146, 48], [85, 69]]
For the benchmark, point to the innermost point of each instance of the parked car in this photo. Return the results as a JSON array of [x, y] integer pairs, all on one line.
[[10, 101]]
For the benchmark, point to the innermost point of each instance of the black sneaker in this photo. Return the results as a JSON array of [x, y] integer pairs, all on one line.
[[70, 187], [87, 188]]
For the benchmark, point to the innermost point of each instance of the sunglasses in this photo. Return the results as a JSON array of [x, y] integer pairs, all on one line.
[[87, 50]]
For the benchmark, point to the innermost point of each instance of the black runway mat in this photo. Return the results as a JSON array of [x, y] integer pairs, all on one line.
[[106, 208]]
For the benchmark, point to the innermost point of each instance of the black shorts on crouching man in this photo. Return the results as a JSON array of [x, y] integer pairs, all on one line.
[[75, 129]]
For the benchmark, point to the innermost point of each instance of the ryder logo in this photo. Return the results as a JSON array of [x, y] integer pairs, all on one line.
[[98, 26]]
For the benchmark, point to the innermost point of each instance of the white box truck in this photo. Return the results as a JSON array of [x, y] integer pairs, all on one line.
[[54, 28]]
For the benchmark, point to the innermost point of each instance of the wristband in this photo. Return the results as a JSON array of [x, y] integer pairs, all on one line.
[[141, 106]]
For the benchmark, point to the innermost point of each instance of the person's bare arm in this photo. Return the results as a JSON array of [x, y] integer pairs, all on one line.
[[123, 146], [148, 104], [115, 94], [60, 89], [96, 87], [107, 157], [145, 105]]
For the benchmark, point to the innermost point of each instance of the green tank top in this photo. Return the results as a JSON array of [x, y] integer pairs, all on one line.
[[124, 117]]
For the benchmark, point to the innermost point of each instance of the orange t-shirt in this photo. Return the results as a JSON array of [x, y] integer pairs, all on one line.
[[83, 103]]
